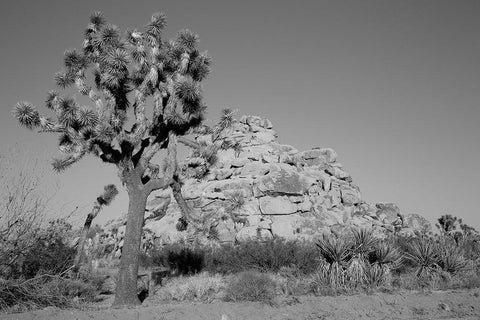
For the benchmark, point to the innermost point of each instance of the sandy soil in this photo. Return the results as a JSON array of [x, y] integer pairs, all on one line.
[[461, 304]]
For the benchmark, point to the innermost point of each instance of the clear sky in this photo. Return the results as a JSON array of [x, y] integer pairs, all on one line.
[[392, 86]]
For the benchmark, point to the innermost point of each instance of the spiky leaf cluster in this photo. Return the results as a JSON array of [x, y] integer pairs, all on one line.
[[385, 253], [423, 253], [118, 71], [109, 193], [334, 250]]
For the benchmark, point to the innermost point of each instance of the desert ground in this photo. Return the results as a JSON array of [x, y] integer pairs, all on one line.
[[453, 304]]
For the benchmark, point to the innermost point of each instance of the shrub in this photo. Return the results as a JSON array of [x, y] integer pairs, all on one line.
[[291, 281], [268, 256], [23, 207], [250, 286], [179, 258], [469, 244], [374, 276], [321, 281], [50, 253], [44, 291]]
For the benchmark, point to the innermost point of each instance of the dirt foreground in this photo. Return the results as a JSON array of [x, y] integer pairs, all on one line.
[[461, 304]]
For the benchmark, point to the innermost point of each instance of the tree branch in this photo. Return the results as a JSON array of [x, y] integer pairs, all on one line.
[[188, 142], [156, 184], [107, 152], [161, 183]]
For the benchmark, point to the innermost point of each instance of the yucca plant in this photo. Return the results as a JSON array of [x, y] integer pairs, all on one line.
[[355, 271], [385, 257], [385, 253], [363, 241], [423, 253], [337, 252], [130, 72], [362, 244], [451, 259], [374, 275]]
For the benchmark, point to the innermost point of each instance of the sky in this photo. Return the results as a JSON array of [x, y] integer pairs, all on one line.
[[392, 86]]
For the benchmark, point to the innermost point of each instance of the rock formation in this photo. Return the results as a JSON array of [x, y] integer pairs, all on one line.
[[267, 189]]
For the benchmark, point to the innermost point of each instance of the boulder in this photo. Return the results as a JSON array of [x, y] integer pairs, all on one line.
[[287, 227], [286, 181], [254, 169], [283, 148], [226, 231], [270, 158], [335, 195], [239, 162], [254, 153], [242, 184], [165, 230], [222, 174], [350, 195], [276, 205], [265, 223], [158, 206], [329, 153], [263, 138], [305, 206], [256, 121], [388, 213], [361, 221], [253, 233], [330, 217], [247, 233], [337, 172]]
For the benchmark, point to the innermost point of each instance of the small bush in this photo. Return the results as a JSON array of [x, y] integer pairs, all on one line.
[[50, 253], [470, 246], [321, 282], [291, 281], [374, 276], [268, 256], [180, 259], [250, 286], [44, 291]]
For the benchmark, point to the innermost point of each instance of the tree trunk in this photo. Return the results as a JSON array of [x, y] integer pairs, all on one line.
[[83, 235], [126, 291]]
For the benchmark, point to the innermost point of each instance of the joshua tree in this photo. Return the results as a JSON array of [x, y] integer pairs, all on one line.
[[129, 72], [448, 223], [109, 193]]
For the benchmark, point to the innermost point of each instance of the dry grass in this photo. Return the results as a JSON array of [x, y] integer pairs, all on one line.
[[200, 287], [20, 295], [251, 286]]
